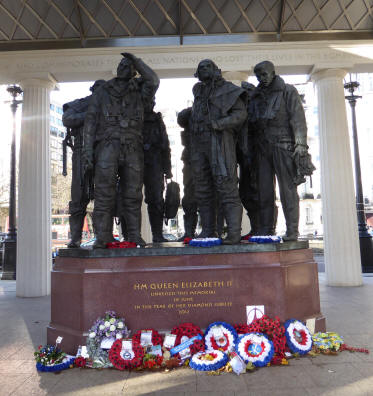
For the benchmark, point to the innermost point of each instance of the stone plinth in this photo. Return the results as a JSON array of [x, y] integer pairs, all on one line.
[[163, 286]]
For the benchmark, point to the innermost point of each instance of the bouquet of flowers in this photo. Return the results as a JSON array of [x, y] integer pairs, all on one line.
[[51, 358], [106, 329]]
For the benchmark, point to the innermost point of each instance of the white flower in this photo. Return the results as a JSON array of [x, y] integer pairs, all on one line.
[[92, 334], [112, 327], [107, 324], [112, 320], [119, 336], [101, 327], [120, 325]]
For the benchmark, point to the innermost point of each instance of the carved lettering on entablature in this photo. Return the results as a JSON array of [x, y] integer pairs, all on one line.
[[182, 58]]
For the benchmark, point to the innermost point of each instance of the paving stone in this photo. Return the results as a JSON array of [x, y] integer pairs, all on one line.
[[228, 382], [181, 380], [280, 377]]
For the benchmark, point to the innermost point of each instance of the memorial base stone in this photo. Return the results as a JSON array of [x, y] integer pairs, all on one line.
[[164, 285]]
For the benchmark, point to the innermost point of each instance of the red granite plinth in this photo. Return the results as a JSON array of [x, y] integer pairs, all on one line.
[[163, 291]]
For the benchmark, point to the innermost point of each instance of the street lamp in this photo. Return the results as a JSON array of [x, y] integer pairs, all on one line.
[[366, 243], [10, 242]]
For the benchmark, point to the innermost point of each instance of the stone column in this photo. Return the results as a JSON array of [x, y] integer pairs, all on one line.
[[34, 194], [341, 242], [236, 77], [146, 231]]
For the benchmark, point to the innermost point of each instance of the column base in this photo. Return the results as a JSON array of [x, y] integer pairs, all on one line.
[[9, 260]]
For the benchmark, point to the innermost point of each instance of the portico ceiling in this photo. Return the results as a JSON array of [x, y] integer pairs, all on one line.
[[53, 24]]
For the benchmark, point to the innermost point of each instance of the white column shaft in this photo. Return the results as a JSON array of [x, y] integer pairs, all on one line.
[[34, 198], [341, 242]]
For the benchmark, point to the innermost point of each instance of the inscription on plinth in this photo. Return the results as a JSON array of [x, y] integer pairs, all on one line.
[[161, 291], [182, 297]]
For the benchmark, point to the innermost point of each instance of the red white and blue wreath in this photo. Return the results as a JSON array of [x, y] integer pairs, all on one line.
[[209, 360], [220, 335], [205, 242], [51, 359], [255, 348], [126, 359], [298, 337]]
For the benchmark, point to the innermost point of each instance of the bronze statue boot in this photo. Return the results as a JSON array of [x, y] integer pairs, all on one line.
[[208, 221], [190, 224], [233, 217], [103, 226], [74, 244], [290, 236], [156, 225], [76, 222]]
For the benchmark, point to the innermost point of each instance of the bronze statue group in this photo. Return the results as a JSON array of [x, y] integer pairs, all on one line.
[[120, 145]]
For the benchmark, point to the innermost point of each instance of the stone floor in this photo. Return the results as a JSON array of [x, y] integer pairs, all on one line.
[[349, 311]]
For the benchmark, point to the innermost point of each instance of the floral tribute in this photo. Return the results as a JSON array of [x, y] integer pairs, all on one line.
[[156, 337], [327, 342], [255, 348], [265, 239], [121, 245], [126, 361], [151, 361], [273, 330], [220, 336], [298, 337], [50, 358], [205, 242], [208, 361], [189, 330], [108, 327]]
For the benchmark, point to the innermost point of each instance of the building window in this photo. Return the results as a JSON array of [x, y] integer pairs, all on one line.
[[309, 217], [52, 107]]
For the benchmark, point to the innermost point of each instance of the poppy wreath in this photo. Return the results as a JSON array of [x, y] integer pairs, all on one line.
[[156, 337], [189, 330], [255, 348], [208, 361], [226, 342], [121, 245], [271, 328], [126, 364], [205, 242], [298, 337]]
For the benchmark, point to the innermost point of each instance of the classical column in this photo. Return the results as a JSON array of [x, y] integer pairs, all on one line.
[[34, 197], [146, 231], [341, 242], [236, 77]]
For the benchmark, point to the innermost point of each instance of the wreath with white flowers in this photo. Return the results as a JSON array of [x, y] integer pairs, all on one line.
[[265, 239], [109, 326], [255, 348], [205, 242], [298, 337], [221, 336], [128, 359], [209, 360]]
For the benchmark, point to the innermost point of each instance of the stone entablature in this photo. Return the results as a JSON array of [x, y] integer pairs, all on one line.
[[181, 61]]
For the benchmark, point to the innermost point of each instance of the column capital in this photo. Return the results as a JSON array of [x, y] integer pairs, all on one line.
[[37, 80], [328, 73]]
